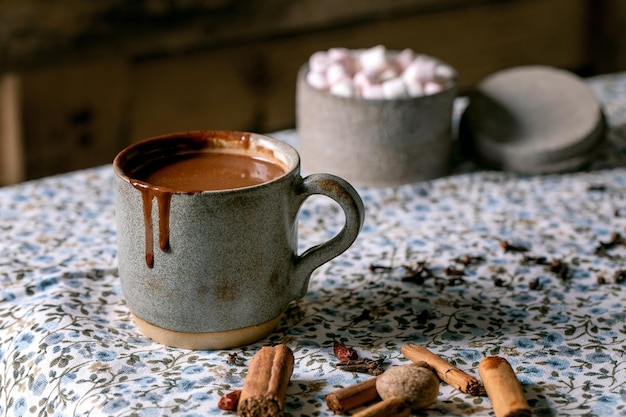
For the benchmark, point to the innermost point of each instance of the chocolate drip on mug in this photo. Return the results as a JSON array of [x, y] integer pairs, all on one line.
[[164, 199]]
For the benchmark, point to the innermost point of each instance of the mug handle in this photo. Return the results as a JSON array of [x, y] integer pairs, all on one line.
[[346, 196]]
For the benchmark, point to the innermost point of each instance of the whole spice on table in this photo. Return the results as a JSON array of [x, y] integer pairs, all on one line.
[[344, 353], [235, 359], [560, 268], [467, 260], [615, 240], [367, 366], [415, 384], [229, 401], [352, 396], [448, 373], [534, 284], [265, 386], [377, 267], [508, 247], [534, 260], [451, 271], [503, 388], [417, 274]]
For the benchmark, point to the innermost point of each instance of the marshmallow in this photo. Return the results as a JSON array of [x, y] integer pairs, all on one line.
[[319, 61], [388, 73], [414, 89], [339, 54], [444, 73], [410, 74], [363, 78], [404, 59], [432, 87], [343, 88], [373, 92], [425, 69], [374, 74], [336, 72], [344, 57], [317, 80], [373, 59], [394, 88]]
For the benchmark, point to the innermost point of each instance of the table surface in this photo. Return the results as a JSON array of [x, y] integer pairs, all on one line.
[[68, 346]]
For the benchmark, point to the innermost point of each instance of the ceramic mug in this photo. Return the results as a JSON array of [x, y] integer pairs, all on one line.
[[213, 269]]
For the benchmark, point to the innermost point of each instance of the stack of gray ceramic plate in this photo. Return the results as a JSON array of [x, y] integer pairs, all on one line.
[[532, 120]]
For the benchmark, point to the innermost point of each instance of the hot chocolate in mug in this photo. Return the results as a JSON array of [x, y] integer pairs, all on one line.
[[207, 235]]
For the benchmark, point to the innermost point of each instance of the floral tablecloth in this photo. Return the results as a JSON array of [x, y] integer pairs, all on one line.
[[69, 348]]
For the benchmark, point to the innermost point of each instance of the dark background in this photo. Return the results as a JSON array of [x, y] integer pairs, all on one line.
[[81, 79]]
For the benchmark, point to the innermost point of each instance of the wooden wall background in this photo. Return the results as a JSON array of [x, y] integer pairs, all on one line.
[[81, 79]]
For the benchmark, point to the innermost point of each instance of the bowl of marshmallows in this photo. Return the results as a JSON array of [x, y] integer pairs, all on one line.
[[375, 117]]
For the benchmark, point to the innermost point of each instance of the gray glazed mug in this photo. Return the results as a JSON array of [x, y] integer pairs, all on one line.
[[216, 269]]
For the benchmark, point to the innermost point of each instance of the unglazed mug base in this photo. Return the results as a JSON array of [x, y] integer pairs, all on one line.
[[206, 340]]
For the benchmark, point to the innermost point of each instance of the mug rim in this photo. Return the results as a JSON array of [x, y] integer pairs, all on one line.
[[197, 140]]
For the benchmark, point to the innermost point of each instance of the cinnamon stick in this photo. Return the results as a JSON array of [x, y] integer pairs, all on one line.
[[352, 396], [265, 386], [447, 372], [503, 388], [391, 407]]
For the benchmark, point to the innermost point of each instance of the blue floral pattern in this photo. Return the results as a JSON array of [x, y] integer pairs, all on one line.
[[69, 348]]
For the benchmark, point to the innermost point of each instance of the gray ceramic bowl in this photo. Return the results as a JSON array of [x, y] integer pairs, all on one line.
[[374, 143]]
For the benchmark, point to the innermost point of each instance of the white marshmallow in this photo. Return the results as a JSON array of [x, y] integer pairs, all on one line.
[[373, 59], [444, 73], [317, 80], [363, 78], [410, 74], [336, 72], [373, 74], [319, 61], [344, 57], [394, 88], [414, 89], [343, 88], [404, 59], [425, 69], [373, 92]]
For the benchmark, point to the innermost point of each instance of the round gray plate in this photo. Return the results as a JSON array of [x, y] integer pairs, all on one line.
[[532, 120]]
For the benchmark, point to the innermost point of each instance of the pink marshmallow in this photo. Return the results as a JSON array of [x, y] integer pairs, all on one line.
[[339, 54], [373, 92], [362, 78], [432, 87], [336, 72], [319, 61], [404, 59], [317, 80]]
